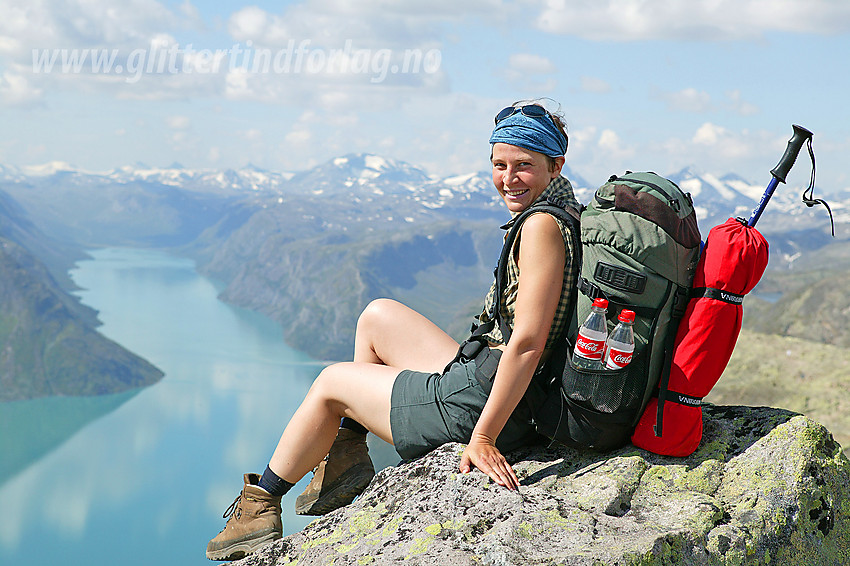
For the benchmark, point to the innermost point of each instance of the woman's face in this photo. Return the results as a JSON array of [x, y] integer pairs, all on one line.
[[521, 175]]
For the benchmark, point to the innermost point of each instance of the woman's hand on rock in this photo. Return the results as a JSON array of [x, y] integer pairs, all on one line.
[[483, 454]]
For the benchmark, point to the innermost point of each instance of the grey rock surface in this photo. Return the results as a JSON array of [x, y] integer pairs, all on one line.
[[766, 486]]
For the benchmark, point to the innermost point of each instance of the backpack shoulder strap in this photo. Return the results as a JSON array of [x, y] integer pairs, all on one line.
[[569, 216]]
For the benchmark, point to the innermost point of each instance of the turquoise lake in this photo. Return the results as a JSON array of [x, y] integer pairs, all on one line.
[[144, 477]]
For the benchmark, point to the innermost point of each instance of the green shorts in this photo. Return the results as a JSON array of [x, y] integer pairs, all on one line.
[[428, 410]]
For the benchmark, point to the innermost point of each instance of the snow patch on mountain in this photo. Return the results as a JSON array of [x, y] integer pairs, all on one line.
[[50, 168], [369, 180]]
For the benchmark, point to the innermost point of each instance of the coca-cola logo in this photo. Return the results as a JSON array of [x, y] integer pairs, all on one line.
[[617, 359], [589, 346]]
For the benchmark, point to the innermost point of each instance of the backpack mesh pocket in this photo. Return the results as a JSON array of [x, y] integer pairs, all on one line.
[[606, 391]]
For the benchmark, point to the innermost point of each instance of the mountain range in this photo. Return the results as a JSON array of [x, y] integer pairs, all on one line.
[[311, 248]]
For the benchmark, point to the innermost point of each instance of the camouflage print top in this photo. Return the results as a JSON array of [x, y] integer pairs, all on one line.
[[559, 190]]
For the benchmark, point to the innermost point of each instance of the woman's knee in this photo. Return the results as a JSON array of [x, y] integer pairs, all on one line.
[[328, 380], [334, 382], [360, 391], [379, 318], [377, 313]]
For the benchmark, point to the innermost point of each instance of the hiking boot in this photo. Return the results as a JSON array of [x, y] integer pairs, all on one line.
[[340, 477], [254, 521]]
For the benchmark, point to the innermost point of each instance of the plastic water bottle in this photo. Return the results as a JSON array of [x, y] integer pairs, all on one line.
[[621, 343], [590, 343]]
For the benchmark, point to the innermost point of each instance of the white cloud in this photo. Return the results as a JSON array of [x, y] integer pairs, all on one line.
[[192, 14], [298, 136], [612, 146], [709, 134], [725, 144], [688, 100], [178, 122], [81, 23], [529, 63], [255, 24], [535, 72], [720, 149], [121, 48], [594, 85], [324, 46], [629, 20], [700, 102], [236, 85], [740, 106], [252, 134], [596, 154], [371, 51], [16, 90], [369, 23]]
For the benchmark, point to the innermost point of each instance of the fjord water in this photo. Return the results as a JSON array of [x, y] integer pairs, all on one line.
[[143, 477]]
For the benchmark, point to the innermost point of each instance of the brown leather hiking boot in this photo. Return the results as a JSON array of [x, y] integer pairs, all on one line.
[[340, 477], [254, 521]]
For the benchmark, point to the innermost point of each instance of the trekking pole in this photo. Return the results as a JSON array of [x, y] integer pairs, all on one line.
[[801, 135]]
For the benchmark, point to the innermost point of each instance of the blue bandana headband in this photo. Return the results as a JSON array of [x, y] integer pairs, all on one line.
[[534, 133]]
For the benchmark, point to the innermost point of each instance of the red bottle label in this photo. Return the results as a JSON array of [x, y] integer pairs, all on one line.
[[588, 348], [618, 359]]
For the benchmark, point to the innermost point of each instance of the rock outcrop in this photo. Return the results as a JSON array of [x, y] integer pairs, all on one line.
[[766, 487]]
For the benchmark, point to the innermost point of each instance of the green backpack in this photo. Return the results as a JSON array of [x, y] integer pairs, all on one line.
[[639, 244]]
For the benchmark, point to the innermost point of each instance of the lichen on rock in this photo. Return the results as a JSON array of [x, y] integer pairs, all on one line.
[[765, 487]]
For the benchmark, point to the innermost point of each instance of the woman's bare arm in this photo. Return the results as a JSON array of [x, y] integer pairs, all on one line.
[[541, 261]]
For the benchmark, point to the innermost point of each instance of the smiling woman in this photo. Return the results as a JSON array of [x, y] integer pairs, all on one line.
[[521, 175], [412, 384]]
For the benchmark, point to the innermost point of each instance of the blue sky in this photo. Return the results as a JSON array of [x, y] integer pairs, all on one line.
[[643, 84]]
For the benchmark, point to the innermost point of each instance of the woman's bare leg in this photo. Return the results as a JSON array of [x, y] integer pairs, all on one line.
[[357, 390], [390, 337], [392, 334]]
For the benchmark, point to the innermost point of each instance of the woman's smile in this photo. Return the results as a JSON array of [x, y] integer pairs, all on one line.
[[521, 175]]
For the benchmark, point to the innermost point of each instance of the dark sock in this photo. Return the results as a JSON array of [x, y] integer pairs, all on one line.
[[353, 425], [274, 484]]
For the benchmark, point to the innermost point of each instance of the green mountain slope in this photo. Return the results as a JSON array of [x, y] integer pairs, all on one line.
[[48, 349], [790, 373], [315, 283], [812, 305]]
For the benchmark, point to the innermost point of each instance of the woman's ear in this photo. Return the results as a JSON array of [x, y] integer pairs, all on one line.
[[559, 164]]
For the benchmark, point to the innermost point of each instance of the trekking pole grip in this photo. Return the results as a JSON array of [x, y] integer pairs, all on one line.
[[796, 142], [801, 135]]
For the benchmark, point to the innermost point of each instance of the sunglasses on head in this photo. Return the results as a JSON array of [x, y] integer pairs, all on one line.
[[530, 110]]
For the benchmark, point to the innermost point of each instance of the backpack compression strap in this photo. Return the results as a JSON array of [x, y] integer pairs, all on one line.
[[680, 304], [665, 394], [717, 294]]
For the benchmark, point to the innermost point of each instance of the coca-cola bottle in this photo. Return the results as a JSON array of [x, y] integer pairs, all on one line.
[[621, 343], [590, 343]]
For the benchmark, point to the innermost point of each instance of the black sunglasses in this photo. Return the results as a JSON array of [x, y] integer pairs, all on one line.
[[530, 110]]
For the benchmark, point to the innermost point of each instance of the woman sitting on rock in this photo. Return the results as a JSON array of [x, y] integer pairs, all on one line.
[[409, 383]]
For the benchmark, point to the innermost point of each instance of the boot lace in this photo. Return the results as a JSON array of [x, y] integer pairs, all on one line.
[[233, 507]]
